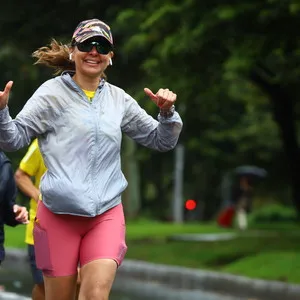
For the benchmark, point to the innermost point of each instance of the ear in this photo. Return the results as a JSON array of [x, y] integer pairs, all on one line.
[[111, 54], [71, 50]]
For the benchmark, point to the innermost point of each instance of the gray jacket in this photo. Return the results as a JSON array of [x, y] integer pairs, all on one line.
[[81, 141]]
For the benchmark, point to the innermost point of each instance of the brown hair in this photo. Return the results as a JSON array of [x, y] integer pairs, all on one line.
[[56, 56]]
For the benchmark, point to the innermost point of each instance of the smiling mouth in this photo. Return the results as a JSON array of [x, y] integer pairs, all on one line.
[[92, 62]]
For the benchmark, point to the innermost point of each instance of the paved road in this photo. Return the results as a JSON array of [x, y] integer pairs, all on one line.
[[17, 280], [139, 290], [128, 289], [158, 294]]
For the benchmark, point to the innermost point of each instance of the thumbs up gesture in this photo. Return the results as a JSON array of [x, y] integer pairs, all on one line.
[[164, 98], [4, 95]]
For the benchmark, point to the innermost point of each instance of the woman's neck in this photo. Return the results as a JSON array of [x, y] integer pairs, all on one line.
[[86, 83]]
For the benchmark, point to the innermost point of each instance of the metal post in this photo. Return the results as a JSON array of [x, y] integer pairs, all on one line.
[[177, 205]]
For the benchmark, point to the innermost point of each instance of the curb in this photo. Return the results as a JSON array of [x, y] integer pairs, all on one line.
[[12, 296], [187, 278], [194, 279]]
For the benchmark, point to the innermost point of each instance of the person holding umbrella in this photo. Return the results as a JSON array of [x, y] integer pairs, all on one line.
[[237, 193]]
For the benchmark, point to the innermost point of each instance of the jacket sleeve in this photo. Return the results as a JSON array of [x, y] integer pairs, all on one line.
[[161, 134], [34, 119], [10, 194]]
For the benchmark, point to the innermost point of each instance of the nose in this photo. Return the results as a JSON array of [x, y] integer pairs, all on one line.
[[94, 50]]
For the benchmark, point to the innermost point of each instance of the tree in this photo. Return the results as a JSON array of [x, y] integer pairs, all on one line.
[[224, 62], [207, 51]]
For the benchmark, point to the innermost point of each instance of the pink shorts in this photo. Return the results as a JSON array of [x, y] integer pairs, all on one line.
[[63, 241]]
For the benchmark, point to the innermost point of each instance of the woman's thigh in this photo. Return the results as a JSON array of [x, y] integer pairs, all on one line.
[[56, 241], [106, 238]]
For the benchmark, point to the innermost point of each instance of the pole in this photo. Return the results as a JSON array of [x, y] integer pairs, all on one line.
[[177, 207]]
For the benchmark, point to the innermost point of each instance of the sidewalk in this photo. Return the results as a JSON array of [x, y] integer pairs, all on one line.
[[12, 296], [186, 278], [194, 279]]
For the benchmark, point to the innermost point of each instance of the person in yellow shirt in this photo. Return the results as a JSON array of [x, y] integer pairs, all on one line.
[[28, 177]]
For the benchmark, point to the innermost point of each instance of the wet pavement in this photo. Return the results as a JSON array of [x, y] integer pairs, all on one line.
[[140, 290], [19, 283], [139, 280]]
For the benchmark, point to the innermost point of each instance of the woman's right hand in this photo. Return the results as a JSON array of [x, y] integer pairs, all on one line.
[[4, 95]]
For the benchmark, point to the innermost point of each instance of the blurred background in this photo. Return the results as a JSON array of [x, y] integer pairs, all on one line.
[[235, 68]]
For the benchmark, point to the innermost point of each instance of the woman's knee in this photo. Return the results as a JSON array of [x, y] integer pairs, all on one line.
[[94, 289], [63, 288], [96, 279], [96, 293]]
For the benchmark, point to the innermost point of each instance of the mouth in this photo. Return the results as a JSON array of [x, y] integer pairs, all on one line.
[[92, 62]]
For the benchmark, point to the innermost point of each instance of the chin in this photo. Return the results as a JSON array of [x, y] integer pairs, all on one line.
[[93, 73]]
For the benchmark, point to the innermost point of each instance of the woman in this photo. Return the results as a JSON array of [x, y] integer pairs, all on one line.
[[79, 119]]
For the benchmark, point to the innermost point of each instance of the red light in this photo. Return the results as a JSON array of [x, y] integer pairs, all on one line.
[[190, 204]]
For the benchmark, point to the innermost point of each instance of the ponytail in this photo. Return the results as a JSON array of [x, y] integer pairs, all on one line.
[[56, 56]]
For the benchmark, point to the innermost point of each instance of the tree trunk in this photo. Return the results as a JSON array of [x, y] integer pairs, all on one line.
[[284, 116]]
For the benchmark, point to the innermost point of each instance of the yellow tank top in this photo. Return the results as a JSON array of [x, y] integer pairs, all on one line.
[[89, 94]]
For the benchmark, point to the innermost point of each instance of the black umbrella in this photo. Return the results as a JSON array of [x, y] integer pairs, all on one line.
[[250, 171]]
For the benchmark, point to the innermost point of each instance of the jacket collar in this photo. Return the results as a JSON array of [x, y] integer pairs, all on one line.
[[66, 77]]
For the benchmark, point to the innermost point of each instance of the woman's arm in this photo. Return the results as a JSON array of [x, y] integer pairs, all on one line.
[[33, 120], [161, 135]]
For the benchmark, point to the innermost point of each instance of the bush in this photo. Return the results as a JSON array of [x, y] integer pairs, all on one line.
[[273, 213]]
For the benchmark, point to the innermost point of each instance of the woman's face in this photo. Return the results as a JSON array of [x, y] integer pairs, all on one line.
[[88, 61]]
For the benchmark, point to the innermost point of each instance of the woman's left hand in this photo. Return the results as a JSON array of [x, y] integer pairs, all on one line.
[[164, 98]]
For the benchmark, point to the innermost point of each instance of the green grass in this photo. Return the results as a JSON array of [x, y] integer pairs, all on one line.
[[276, 265], [146, 229], [15, 236], [135, 231], [275, 254], [267, 251]]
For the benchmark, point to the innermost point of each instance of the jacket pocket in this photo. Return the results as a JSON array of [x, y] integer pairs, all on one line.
[[41, 247]]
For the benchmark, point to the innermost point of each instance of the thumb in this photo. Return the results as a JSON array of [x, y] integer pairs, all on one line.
[[16, 208], [149, 93], [8, 86], [6, 91]]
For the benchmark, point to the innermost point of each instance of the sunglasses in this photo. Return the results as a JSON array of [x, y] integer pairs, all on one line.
[[102, 48]]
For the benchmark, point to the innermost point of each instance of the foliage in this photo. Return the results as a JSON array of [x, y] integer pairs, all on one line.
[[206, 52], [273, 213]]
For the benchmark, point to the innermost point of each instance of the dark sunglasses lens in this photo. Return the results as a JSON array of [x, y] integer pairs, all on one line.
[[103, 49], [84, 47], [87, 47]]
